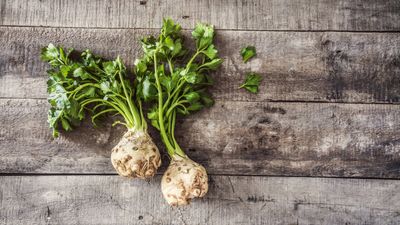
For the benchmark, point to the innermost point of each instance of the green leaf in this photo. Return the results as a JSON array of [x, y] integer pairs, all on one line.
[[153, 113], [65, 124], [211, 52], [116, 86], [247, 53], [149, 45], [65, 70], [168, 82], [148, 89], [140, 66], [50, 52], [252, 82], [169, 43], [212, 65], [110, 68], [192, 97], [58, 97], [89, 91], [191, 77], [105, 87], [73, 108], [203, 34], [53, 116], [63, 55], [81, 73], [170, 28], [153, 116], [118, 63], [174, 47], [155, 124], [195, 106]]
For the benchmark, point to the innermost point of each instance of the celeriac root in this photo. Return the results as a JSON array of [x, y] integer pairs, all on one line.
[[183, 181], [136, 155]]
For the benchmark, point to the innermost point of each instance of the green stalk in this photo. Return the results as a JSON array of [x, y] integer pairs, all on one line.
[[170, 148], [128, 113], [143, 119], [174, 93], [101, 113], [76, 90], [177, 147], [172, 108], [134, 113], [121, 111]]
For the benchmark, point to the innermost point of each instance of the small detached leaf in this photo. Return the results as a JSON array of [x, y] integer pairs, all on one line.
[[248, 53], [252, 82]]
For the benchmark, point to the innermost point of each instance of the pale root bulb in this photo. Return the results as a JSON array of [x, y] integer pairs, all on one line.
[[183, 180], [136, 155]]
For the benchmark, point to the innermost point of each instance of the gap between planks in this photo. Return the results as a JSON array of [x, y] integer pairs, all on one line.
[[216, 28], [255, 101], [209, 174]]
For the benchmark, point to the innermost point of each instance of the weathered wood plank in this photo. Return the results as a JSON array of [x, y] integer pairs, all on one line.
[[296, 66], [314, 139], [369, 15], [231, 200]]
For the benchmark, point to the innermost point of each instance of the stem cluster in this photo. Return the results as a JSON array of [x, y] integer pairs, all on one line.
[[89, 84], [173, 80]]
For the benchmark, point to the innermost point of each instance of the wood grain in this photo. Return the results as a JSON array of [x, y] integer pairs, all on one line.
[[314, 57], [239, 138], [231, 200], [305, 15], [296, 66]]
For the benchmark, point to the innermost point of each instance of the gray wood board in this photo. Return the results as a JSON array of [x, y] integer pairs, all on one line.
[[305, 15], [231, 200], [239, 138], [296, 66]]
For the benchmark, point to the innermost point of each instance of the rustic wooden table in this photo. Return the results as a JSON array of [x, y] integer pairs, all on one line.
[[320, 143]]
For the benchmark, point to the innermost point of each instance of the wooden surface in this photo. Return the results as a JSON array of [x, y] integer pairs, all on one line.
[[328, 107], [344, 140], [232, 200], [367, 15], [297, 66]]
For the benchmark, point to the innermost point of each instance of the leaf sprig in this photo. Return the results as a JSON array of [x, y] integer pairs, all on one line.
[[174, 79], [88, 84], [247, 53], [252, 82]]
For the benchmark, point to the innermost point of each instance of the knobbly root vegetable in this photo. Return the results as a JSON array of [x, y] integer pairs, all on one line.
[[136, 155], [183, 181]]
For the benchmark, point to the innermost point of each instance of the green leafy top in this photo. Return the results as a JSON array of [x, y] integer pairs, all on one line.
[[252, 82], [173, 79], [248, 53], [90, 84]]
